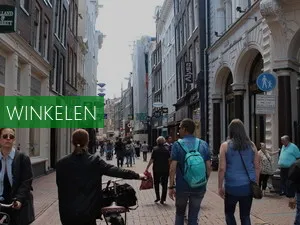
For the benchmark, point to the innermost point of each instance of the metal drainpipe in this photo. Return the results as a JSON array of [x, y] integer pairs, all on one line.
[[206, 72]]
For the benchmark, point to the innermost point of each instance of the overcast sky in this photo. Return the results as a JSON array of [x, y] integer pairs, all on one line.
[[122, 21]]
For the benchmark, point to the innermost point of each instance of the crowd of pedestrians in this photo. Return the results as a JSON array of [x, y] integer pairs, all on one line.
[[240, 164], [182, 168]]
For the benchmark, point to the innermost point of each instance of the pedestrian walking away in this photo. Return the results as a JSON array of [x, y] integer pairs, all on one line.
[[238, 158], [129, 153], [190, 163], [145, 149], [160, 159], [137, 147], [79, 179], [120, 152]]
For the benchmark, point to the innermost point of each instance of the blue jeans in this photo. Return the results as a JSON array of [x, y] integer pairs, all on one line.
[[129, 160], [245, 203], [297, 219], [194, 199], [133, 158]]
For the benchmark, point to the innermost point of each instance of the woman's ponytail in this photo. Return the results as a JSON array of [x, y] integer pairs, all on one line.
[[80, 139], [79, 150]]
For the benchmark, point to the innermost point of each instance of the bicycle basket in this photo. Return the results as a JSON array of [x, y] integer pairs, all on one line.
[[126, 196]]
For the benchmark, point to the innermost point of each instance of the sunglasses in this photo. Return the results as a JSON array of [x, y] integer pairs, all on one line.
[[8, 136]]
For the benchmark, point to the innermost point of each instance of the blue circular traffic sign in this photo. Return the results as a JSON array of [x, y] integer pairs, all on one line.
[[266, 82]]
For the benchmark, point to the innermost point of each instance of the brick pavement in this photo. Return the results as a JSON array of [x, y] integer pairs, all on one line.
[[271, 210]]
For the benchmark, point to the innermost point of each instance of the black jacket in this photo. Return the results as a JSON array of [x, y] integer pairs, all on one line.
[[21, 189], [160, 157], [79, 182], [119, 149]]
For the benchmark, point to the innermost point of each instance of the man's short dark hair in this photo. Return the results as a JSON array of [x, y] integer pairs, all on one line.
[[188, 125]]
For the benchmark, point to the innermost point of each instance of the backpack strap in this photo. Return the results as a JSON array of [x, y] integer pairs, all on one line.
[[183, 146]]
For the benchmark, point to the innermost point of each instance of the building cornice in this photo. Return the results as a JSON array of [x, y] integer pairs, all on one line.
[[165, 11], [236, 25]]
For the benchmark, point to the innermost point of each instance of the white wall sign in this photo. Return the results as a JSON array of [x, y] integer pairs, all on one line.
[[265, 104]]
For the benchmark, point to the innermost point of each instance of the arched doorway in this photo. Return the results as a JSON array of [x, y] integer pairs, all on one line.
[[229, 102], [257, 122]]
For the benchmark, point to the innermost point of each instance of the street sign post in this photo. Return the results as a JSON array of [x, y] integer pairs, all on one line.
[[266, 82], [265, 104]]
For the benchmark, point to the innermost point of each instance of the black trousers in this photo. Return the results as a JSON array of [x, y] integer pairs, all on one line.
[[145, 156], [284, 173], [161, 178], [263, 181], [120, 161], [137, 152]]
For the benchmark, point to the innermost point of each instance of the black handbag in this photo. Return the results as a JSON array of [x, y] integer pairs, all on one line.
[[126, 196], [256, 191]]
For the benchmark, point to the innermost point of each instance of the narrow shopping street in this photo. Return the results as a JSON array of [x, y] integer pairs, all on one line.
[[270, 210]]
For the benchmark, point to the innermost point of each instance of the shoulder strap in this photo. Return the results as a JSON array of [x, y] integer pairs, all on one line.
[[182, 145], [267, 157], [244, 165]]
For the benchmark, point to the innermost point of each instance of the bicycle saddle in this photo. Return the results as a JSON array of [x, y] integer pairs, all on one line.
[[114, 208]]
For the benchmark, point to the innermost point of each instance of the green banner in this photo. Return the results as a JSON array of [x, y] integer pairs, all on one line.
[[52, 111]]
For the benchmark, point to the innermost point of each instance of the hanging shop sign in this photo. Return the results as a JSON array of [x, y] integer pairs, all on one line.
[[7, 19], [188, 75]]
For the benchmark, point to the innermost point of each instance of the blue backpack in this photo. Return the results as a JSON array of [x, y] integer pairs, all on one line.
[[194, 172]]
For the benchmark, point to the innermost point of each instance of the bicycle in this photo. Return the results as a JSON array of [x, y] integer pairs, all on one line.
[[112, 214], [4, 217]]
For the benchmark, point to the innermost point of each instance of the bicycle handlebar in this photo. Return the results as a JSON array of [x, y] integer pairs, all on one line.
[[6, 205], [113, 181]]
